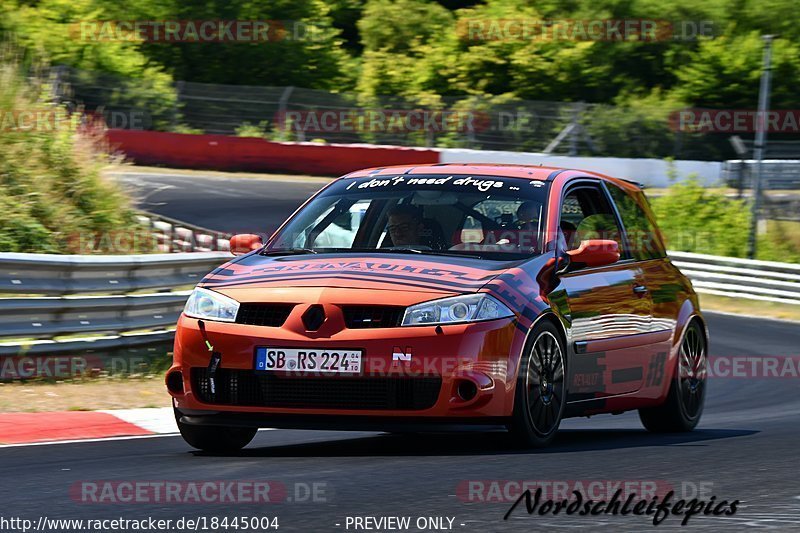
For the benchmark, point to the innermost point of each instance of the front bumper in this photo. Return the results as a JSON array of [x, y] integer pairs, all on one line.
[[338, 422], [464, 371]]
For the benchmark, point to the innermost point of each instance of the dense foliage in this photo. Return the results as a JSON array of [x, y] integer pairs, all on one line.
[[416, 50], [421, 47], [697, 219], [53, 197]]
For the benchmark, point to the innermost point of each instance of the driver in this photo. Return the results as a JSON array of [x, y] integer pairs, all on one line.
[[527, 225], [528, 216], [405, 225]]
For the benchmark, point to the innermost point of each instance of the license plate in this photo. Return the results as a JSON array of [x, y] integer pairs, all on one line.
[[326, 361]]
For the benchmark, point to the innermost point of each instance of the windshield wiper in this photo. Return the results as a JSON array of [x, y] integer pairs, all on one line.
[[415, 251], [402, 250], [289, 251], [398, 250], [453, 254]]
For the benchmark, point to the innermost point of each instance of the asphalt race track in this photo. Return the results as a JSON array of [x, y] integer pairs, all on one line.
[[235, 205], [746, 448]]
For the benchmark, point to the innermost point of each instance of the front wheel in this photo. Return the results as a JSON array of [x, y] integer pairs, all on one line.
[[541, 392], [684, 406], [215, 439]]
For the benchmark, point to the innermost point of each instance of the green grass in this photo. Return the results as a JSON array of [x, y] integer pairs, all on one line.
[[745, 307], [83, 395], [782, 241]]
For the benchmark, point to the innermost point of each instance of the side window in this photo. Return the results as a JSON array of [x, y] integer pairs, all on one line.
[[642, 235], [585, 215]]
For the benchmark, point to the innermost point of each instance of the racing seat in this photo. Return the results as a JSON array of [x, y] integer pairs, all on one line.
[[432, 235]]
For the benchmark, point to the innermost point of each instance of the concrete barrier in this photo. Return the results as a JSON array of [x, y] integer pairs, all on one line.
[[651, 172], [222, 152]]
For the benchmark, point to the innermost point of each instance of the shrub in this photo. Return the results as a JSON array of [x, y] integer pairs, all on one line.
[[697, 219], [54, 197]]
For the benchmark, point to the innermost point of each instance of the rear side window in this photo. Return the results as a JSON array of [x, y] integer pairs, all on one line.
[[644, 240]]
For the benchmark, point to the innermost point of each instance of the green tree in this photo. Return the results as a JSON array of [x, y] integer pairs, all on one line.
[[56, 30], [396, 36], [304, 49], [725, 73]]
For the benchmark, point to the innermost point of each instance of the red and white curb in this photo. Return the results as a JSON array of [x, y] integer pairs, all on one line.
[[61, 426]]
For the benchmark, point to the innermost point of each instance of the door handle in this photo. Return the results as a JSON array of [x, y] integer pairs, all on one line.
[[641, 290]]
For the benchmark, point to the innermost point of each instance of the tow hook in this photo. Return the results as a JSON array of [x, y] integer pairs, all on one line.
[[214, 362]]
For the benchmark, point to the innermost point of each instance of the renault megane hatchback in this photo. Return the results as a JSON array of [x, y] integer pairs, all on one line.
[[406, 298]]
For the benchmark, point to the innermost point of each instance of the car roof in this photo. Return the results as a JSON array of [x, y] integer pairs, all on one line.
[[528, 172]]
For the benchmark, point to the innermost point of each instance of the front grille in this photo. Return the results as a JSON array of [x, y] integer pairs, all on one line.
[[247, 388], [372, 316], [273, 315]]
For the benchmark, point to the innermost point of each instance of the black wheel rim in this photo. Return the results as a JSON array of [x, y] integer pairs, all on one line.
[[545, 383], [693, 371]]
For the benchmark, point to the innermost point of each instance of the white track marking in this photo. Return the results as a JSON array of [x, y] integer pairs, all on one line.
[[155, 419], [101, 439], [76, 441]]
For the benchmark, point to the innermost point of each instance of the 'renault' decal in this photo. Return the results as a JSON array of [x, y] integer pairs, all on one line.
[[355, 273]]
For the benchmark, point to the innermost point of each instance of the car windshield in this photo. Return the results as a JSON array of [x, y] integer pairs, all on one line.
[[482, 216]]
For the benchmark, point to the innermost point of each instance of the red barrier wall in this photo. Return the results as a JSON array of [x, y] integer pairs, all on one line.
[[222, 152]]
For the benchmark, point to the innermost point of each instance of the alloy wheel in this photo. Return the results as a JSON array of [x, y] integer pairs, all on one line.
[[692, 371], [545, 383]]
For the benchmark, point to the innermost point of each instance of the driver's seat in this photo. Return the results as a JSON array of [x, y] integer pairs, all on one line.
[[432, 235]]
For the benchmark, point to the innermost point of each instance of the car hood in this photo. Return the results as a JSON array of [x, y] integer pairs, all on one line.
[[391, 272]]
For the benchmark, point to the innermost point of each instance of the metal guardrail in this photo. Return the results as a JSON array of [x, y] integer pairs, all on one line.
[[741, 278], [45, 318], [777, 174], [41, 319], [56, 296], [101, 346], [34, 274]]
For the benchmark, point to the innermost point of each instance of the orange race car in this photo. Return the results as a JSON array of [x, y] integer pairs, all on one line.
[[406, 298]]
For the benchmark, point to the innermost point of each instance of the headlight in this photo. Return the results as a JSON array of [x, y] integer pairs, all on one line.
[[469, 308], [210, 305]]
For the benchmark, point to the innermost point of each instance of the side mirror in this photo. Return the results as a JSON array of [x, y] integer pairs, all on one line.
[[594, 253], [245, 243]]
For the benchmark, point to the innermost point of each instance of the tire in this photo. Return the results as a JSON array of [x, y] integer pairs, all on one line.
[[540, 396], [215, 439], [684, 405]]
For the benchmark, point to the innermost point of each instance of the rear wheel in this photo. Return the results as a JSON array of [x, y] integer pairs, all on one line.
[[684, 406], [540, 395], [216, 439]]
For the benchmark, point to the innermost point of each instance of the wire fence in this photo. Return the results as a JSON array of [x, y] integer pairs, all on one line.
[[294, 113]]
